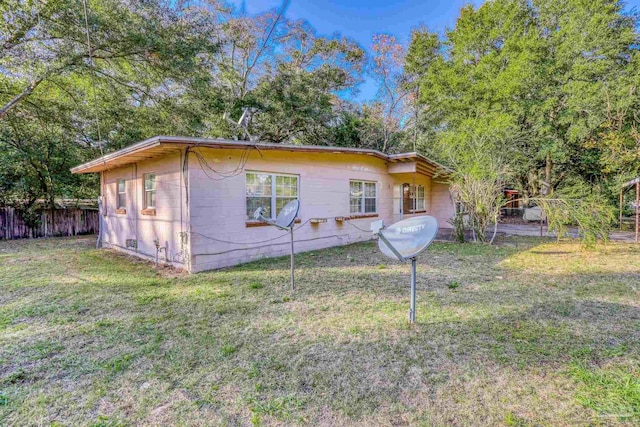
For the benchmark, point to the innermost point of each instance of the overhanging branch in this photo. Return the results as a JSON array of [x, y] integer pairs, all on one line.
[[16, 99]]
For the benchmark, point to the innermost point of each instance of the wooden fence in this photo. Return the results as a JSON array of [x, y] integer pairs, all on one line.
[[51, 222]]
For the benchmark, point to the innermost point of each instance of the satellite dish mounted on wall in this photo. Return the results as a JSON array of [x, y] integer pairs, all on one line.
[[284, 221], [403, 241]]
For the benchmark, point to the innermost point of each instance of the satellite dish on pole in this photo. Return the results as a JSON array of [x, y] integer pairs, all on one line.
[[408, 237], [403, 241], [284, 221]]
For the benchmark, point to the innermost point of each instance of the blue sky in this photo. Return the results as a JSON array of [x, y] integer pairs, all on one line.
[[360, 19]]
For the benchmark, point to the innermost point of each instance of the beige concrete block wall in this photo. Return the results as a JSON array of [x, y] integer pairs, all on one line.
[[214, 221], [443, 208], [117, 228], [165, 225], [218, 207]]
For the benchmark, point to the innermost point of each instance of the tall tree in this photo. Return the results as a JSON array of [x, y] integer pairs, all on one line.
[[275, 77], [76, 81], [588, 47], [77, 78], [388, 107], [424, 49], [544, 67]]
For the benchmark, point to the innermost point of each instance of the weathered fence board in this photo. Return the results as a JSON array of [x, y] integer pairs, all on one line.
[[51, 222]]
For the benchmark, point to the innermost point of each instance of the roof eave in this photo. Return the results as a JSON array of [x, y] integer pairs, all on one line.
[[138, 146], [103, 163], [443, 170]]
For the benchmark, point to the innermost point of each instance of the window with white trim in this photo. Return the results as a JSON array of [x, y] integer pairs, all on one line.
[[269, 191], [122, 194], [418, 195], [150, 191], [413, 198], [363, 197]]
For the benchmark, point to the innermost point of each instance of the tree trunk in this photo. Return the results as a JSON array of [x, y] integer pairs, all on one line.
[[547, 176], [495, 231]]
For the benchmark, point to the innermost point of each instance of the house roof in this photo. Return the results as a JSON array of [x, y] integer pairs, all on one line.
[[162, 145]]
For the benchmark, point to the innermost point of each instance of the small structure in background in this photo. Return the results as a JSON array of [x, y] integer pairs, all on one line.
[[533, 214], [284, 221], [513, 206], [634, 183], [403, 241]]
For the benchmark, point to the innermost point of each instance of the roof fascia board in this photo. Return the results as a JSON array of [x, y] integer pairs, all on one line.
[[224, 143]]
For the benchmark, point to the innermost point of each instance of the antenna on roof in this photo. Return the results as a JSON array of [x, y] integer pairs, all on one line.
[[403, 241], [284, 221]]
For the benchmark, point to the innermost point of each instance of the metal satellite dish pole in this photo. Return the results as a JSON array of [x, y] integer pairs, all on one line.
[[403, 241], [284, 221]]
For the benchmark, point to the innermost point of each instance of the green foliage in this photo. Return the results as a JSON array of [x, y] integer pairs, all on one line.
[[275, 79], [156, 67], [296, 105], [478, 176], [458, 226], [346, 132], [512, 420], [559, 77], [60, 105], [554, 86], [578, 204], [422, 52], [118, 364]]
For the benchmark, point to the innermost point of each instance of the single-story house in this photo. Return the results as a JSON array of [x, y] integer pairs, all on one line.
[[190, 201]]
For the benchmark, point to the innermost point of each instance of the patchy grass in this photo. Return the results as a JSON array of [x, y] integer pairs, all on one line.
[[527, 333]]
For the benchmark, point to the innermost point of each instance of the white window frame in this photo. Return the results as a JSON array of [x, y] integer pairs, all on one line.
[[273, 196], [363, 197], [415, 198], [145, 190], [123, 192]]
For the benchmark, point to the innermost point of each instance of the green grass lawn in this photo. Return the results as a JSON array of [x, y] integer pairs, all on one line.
[[530, 332]]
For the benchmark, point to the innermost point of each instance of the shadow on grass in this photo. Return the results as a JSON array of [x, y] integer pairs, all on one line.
[[368, 254], [236, 343], [356, 371]]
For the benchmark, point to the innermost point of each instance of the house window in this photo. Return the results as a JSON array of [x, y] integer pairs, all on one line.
[[362, 197], [413, 198], [150, 191], [418, 198], [122, 194], [269, 191]]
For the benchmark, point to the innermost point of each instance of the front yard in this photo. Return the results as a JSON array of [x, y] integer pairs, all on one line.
[[531, 332]]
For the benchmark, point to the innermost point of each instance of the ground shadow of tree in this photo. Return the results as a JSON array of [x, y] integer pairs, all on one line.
[[337, 351]]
